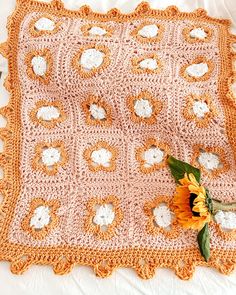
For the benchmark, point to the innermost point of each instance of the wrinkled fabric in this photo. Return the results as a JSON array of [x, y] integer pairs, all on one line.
[[40, 279]]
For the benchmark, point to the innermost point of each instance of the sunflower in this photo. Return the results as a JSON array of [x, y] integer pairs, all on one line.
[[190, 203]]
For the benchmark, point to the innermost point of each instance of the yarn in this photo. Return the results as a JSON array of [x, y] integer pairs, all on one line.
[[97, 31], [44, 24], [39, 65], [148, 63], [98, 102], [198, 33], [209, 160], [162, 216], [40, 217], [148, 31], [48, 113], [227, 220], [197, 70], [104, 215]]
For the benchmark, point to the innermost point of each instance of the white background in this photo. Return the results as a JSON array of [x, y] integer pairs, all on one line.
[[41, 279]]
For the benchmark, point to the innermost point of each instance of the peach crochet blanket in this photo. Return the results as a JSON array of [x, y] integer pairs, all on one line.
[[98, 102]]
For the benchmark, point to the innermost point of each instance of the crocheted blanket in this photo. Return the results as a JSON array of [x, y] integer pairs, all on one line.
[[111, 120]]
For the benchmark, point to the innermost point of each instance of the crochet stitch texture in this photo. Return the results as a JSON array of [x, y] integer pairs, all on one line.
[[97, 103]]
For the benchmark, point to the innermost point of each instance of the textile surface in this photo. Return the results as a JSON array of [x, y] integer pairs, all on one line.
[[124, 139]]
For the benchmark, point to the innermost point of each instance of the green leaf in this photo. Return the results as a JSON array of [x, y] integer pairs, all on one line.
[[179, 168], [203, 239]]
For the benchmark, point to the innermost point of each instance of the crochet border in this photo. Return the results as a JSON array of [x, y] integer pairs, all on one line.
[[143, 260]]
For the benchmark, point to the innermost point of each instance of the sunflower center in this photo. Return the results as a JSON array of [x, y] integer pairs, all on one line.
[[191, 200]]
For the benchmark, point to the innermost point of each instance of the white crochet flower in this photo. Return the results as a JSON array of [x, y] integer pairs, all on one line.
[[163, 216], [41, 217], [50, 156], [97, 31], [91, 58], [143, 108], [198, 33], [101, 157], [48, 113], [197, 70], [104, 215], [209, 160], [200, 108], [44, 24], [39, 65], [97, 112], [227, 220], [153, 156], [148, 63], [148, 31]]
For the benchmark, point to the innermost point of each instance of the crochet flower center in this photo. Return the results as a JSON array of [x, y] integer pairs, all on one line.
[[104, 215], [148, 31], [40, 218], [163, 216], [97, 112], [152, 156], [209, 160], [198, 33], [148, 63], [200, 109], [97, 31], [39, 65], [227, 220], [143, 108], [102, 157], [197, 70], [48, 113], [50, 156], [44, 24], [91, 58]]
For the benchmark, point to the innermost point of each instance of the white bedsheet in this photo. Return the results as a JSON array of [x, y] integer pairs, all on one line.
[[41, 279]]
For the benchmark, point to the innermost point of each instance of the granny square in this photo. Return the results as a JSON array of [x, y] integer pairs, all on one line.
[[112, 118]]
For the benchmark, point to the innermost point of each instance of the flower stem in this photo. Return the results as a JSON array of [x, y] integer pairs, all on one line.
[[218, 205]]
